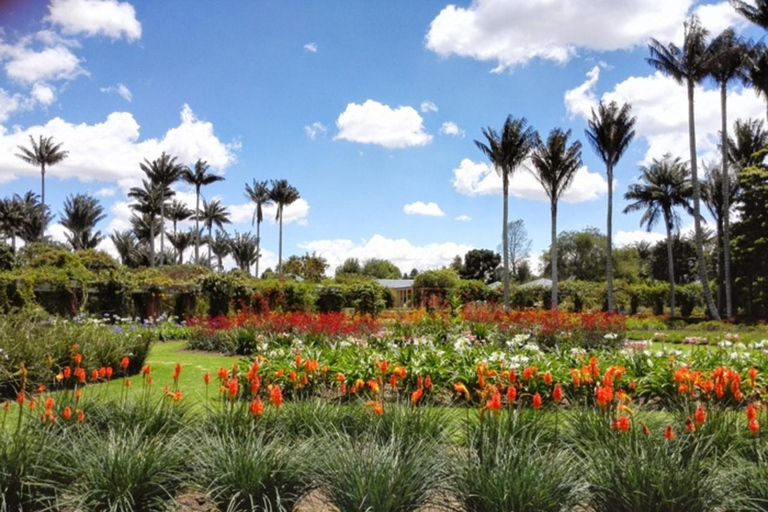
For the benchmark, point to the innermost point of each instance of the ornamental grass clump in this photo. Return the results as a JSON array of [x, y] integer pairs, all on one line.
[[28, 478]]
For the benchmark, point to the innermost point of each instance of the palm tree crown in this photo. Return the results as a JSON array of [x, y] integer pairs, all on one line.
[[282, 194], [81, 214], [259, 194], [42, 153], [199, 177], [757, 13], [213, 214]]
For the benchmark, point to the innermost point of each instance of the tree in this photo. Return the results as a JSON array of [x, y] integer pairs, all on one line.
[[36, 217], [309, 267], [181, 241], [480, 264], [689, 65], [554, 166], [259, 194], [350, 266], [221, 247], [81, 214], [243, 249], [43, 153], [199, 177], [728, 63], [163, 172], [749, 138], [177, 212], [11, 219], [580, 255], [518, 244], [282, 194], [757, 13], [664, 187], [214, 214], [149, 200], [457, 265], [126, 246], [757, 74], [610, 132], [507, 153], [380, 269], [683, 260]]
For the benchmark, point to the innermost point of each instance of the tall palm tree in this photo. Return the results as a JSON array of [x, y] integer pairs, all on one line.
[[729, 62], [181, 241], [199, 177], [149, 203], [758, 71], [689, 65], [126, 246], [282, 194], [213, 214], [610, 132], [163, 172], [507, 153], [243, 250], [81, 214], [258, 193], [177, 212], [11, 220], [749, 137], [664, 186], [756, 11], [221, 248], [43, 153], [554, 166], [37, 217]]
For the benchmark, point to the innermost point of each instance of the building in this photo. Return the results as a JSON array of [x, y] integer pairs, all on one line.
[[402, 290]]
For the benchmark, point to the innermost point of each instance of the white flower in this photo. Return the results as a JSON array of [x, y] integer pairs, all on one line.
[[725, 344], [461, 344], [576, 351], [533, 347], [519, 361], [611, 336]]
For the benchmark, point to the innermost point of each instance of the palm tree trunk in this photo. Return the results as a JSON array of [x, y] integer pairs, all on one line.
[[609, 233], [505, 236], [152, 241], [713, 313], [13, 243], [671, 264], [258, 246], [726, 202], [553, 255], [720, 266], [197, 224], [162, 230], [221, 263], [42, 185], [280, 244], [210, 229]]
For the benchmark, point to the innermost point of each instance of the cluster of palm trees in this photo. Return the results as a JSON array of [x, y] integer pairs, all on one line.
[[668, 184]]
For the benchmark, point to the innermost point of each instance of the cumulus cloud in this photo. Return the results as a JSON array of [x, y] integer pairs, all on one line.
[[401, 252], [422, 208], [623, 238], [105, 192], [311, 47], [428, 106], [375, 123], [315, 129], [513, 33], [43, 94], [119, 89], [95, 17], [478, 178], [661, 107], [26, 65], [464, 218], [452, 129], [297, 212], [111, 150]]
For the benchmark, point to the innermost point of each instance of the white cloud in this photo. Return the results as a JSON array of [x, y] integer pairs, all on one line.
[[11, 103], [311, 47], [297, 212], [111, 151], [95, 17], [105, 192], [119, 89], [478, 178], [513, 33], [464, 218], [28, 66], [623, 238], [375, 123], [43, 93], [661, 107], [401, 252], [716, 18], [428, 106], [315, 129], [452, 129], [422, 208]]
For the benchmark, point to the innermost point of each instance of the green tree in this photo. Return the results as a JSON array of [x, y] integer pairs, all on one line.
[[259, 194], [581, 255], [309, 267], [757, 73], [755, 11], [214, 214], [149, 199], [243, 249], [199, 177], [42, 153], [11, 219], [351, 266], [181, 241], [37, 217], [689, 65], [610, 132], [481, 265], [664, 187], [81, 214], [221, 247], [507, 152], [177, 212], [554, 166], [748, 139], [282, 194], [126, 245], [381, 269], [162, 173]]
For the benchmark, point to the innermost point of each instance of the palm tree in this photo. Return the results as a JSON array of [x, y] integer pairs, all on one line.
[[729, 62], [221, 248], [163, 172], [126, 246], [213, 214], [610, 132], [243, 249], [757, 13], [282, 194], [177, 212], [81, 214], [11, 220], [149, 203], [664, 186], [36, 217], [199, 177], [507, 153], [689, 65], [181, 241], [758, 71], [749, 137], [554, 167], [42, 153], [259, 194]]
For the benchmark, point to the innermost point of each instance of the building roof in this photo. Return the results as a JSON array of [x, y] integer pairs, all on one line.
[[396, 283], [538, 283]]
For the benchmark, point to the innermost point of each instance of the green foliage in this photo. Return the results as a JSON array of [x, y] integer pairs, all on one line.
[[480, 265], [689, 296], [7, 259], [367, 297], [27, 471], [381, 269], [330, 298], [435, 283], [472, 291]]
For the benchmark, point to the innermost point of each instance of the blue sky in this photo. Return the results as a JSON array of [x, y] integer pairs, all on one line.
[[369, 108]]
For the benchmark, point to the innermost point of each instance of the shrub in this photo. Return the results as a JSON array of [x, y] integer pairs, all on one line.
[[434, 284], [689, 296], [330, 299], [367, 297], [472, 291], [27, 479]]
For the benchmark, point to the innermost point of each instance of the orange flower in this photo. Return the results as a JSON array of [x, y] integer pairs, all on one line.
[[459, 387], [223, 374], [127, 383], [557, 393], [393, 381], [400, 371], [428, 382], [340, 377], [257, 407], [669, 434], [373, 386], [67, 413], [79, 394], [751, 412], [276, 396], [529, 372], [146, 370], [420, 382], [41, 388], [292, 376], [416, 396], [33, 404], [108, 372], [67, 372], [343, 388], [80, 416], [603, 396], [575, 377], [49, 404], [754, 427], [752, 375], [207, 378], [689, 426], [124, 363], [621, 423], [102, 372], [376, 406], [536, 401], [494, 404], [383, 366], [548, 378], [232, 388], [95, 375], [176, 372], [700, 415], [21, 397], [646, 430], [77, 358], [511, 395]]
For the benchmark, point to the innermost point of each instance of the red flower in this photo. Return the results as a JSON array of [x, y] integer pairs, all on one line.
[[669, 434], [700, 416], [80, 416], [223, 374], [67, 413], [340, 377], [751, 412], [754, 427], [548, 378], [689, 426], [416, 396], [621, 423], [557, 393], [127, 383], [511, 395], [536, 401], [21, 397], [77, 358], [576, 377], [102, 372], [428, 382], [176, 372], [376, 407], [494, 403], [459, 387], [207, 378], [292, 376], [257, 407], [232, 388], [146, 370], [67, 372], [276, 396], [95, 375], [124, 363]]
